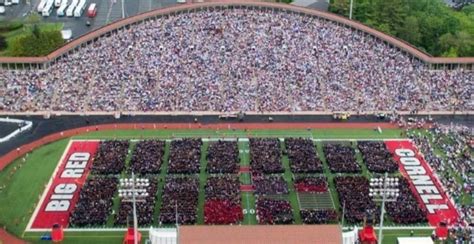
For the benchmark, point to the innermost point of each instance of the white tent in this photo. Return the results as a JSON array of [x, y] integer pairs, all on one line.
[[163, 235], [414, 240]]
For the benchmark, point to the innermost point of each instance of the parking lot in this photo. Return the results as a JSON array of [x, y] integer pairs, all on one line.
[[107, 11]]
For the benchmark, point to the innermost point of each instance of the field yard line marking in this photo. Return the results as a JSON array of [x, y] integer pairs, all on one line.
[[248, 207], [45, 191], [89, 229]]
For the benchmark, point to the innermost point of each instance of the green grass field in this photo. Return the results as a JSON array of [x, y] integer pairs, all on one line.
[[23, 181]]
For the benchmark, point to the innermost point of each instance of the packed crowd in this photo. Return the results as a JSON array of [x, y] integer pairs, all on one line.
[[274, 211], [110, 158], [311, 184], [268, 185], [185, 155], [302, 155], [377, 157], [145, 207], [265, 155], [341, 158], [180, 197], [222, 205], [405, 210], [236, 60], [148, 157], [353, 194], [318, 216], [95, 202], [448, 150], [223, 157]]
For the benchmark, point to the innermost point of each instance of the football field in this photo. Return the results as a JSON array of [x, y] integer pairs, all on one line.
[[24, 181]]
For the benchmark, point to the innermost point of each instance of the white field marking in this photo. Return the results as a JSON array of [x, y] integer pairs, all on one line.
[[248, 206], [395, 227], [330, 195], [89, 229], [45, 191]]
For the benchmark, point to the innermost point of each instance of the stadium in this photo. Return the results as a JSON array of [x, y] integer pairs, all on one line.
[[236, 122]]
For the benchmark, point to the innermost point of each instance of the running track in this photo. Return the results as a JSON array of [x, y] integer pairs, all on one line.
[[12, 155]]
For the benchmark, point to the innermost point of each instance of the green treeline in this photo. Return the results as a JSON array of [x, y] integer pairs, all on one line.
[[428, 24]]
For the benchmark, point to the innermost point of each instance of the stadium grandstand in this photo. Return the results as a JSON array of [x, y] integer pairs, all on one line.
[[236, 122], [237, 57]]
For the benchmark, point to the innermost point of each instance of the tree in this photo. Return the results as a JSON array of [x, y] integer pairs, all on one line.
[[410, 31], [3, 43], [39, 44]]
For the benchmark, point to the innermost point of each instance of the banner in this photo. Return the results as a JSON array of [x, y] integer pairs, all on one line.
[[423, 183], [63, 192]]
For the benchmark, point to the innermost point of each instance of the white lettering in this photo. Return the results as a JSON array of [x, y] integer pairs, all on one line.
[[427, 197], [421, 180], [415, 170], [410, 161], [401, 152], [432, 207], [57, 206], [80, 156], [427, 190], [72, 173]]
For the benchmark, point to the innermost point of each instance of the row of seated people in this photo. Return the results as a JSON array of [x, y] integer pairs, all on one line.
[[185, 155], [95, 202], [180, 197], [310, 183], [274, 211], [269, 184], [302, 155], [341, 158], [145, 207], [377, 157], [353, 192], [223, 157], [110, 157], [318, 216], [265, 156], [147, 157], [223, 204], [405, 210]]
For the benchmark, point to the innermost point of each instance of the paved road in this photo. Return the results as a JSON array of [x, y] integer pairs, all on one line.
[[107, 11]]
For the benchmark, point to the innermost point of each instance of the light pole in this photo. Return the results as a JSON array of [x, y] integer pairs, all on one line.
[[134, 190], [384, 190], [350, 10]]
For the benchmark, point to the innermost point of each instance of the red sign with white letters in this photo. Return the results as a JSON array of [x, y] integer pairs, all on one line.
[[423, 183], [63, 193]]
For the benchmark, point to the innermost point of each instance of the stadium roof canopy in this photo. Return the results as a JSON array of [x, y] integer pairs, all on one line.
[[260, 234]]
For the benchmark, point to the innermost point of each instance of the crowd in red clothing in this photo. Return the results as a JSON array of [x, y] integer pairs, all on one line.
[[311, 184], [222, 205], [273, 211]]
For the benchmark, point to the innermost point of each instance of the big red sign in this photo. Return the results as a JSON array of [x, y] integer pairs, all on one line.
[[423, 183], [63, 192]]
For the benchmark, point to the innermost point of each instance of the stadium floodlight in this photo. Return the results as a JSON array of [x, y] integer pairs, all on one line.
[[133, 190], [385, 191]]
